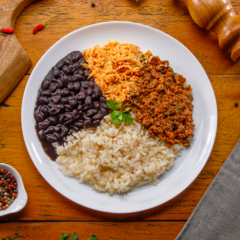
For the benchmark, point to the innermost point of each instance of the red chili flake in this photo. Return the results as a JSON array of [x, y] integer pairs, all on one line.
[[10, 192], [3, 200], [6, 184], [41, 26], [1, 182], [15, 184], [11, 186], [3, 207], [4, 172], [6, 30], [12, 177]]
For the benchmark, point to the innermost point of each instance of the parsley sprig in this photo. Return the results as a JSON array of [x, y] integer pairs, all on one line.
[[75, 237], [17, 235], [118, 116]]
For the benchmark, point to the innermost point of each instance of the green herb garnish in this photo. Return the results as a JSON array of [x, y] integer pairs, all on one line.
[[189, 145], [174, 125], [17, 235], [151, 83], [93, 238], [177, 109], [118, 116]]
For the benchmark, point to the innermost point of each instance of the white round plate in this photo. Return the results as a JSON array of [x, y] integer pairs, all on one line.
[[186, 168]]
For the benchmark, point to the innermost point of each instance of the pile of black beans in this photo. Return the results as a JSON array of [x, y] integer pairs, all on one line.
[[68, 101]]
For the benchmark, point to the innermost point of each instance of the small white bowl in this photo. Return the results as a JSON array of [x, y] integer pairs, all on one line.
[[20, 202]]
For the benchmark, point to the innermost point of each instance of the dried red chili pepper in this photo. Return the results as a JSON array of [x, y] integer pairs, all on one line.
[[41, 26], [6, 30]]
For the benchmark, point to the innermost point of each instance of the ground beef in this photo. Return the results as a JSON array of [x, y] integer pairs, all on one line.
[[163, 103]]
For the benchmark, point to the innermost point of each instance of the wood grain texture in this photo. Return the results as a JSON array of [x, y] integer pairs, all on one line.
[[13, 58], [103, 231], [45, 204]]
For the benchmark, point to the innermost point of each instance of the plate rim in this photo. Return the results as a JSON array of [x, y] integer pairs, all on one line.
[[209, 151]]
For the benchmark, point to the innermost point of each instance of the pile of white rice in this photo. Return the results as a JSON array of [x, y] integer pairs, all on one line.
[[115, 159]]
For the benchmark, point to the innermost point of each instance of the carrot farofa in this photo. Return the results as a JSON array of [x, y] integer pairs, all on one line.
[[115, 67]]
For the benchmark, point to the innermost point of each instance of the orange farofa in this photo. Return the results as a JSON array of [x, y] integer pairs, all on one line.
[[115, 67]]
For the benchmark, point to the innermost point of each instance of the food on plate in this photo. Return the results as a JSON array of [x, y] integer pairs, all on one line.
[[115, 159], [8, 189], [163, 103], [67, 101], [115, 67]]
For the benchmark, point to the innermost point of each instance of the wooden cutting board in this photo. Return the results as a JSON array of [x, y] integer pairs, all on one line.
[[14, 61]]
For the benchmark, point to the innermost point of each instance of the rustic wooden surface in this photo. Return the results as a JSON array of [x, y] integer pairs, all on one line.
[[50, 213]]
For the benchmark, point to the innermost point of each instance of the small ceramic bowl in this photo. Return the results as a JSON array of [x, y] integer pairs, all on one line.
[[20, 202]]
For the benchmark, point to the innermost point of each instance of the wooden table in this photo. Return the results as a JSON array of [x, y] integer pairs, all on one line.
[[48, 214]]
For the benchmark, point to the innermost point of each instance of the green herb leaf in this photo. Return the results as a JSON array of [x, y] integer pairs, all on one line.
[[4, 239], [111, 104], [174, 125], [118, 105], [75, 236], [151, 83], [93, 238], [189, 145], [70, 238], [138, 102], [17, 234], [177, 109], [127, 118], [173, 75], [127, 109], [64, 236]]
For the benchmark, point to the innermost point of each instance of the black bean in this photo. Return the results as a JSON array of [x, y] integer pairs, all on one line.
[[96, 104], [50, 105], [97, 91], [87, 123], [70, 86], [61, 119], [56, 99], [79, 124], [82, 60], [52, 120], [60, 106], [51, 138], [85, 84], [76, 65], [74, 113], [103, 99], [86, 117], [68, 122], [54, 111], [88, 100], [96, 123], [64, 131], [86, 73], [46, 93], [76, 57], [68, 107], [58, 127], [80, 113], [50, 130], [86, 107], [56, 73], [60, 83], [75, 128], [54, 87], [57, 136], [65, 69], [65, 92], [89, 91], [44, 110], [98, 116], [39, 117], [41, 134], [53, 80], [77, 117], [104, 111], [44, 125], [71, 69], [68, 116], [58, 92], [80, 107], [72, 93], [60, 65], [67, 62], [77, 86], [91, 112], [81, 95], [64, 100], [104, 105], [66, 79], [80, 72], [43, 100], [46, 84]]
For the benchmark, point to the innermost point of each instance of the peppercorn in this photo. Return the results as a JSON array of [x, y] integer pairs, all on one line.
[[93, 4], [236, 104]]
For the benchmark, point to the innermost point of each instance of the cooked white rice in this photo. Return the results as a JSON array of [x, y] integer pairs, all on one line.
[[115, 159]]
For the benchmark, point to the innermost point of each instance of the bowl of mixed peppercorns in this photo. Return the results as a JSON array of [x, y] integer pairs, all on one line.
[[13, 196]]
